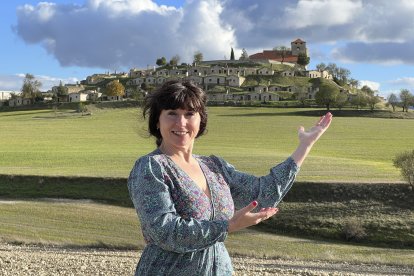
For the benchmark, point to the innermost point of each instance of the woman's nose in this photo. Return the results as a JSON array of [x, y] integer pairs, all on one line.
[[180, 120]]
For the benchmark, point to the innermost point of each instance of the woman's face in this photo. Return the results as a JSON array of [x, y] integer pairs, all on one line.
[[179, 127]]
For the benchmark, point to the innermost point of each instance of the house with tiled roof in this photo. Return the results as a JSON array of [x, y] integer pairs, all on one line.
[[289, 56]]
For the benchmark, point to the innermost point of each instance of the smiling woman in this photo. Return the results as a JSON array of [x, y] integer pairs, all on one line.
[[186, 203]]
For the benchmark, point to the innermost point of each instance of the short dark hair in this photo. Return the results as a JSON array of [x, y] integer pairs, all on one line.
[[175, 94]]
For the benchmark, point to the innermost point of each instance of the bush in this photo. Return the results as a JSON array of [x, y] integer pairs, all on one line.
[[353, 230], [405, 162]]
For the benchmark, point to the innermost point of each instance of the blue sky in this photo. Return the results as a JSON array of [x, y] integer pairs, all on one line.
[[70, 39]]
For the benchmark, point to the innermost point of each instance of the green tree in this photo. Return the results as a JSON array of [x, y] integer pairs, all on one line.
[[115, 88], [367, 90], [61, 90], [359, 100], [244, 55], [161, 61], [393, 101], [232, 54], [327, 94], [372, 101], [198, 57], [405, 162], [406, 99], [136, 93], [175, 60], [341, 100], [343, 76], [353, 83], [303, 59], [30, 87]]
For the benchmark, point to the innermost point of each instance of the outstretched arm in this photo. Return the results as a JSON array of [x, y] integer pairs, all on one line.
[[308, 138]]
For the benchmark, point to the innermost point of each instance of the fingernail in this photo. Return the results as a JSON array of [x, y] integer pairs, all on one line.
[[255, 203]]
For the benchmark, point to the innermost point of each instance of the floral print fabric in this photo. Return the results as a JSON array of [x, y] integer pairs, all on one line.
[[184, 229]]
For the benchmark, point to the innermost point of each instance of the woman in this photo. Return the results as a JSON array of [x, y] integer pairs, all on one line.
[[186, 203]]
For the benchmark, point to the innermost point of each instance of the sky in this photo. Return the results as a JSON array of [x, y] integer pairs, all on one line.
[[68, 40]]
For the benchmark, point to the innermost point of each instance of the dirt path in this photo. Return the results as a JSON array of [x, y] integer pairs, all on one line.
[[36, 260]]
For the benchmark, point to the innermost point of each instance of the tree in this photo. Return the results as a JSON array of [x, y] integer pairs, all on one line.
[[332, 68], [282, 51], [30, 87], [232, 54], [161, 61], [406, 98], [359, 100], [343, 76], [341, 100], [368, 90], [405, 162], [198, 57], [115, 88], [303, 59], [353, 83], [372, 101], [327, 94], [244, 55], [393, 101], [321, 67], [61, 90], [175, 60]]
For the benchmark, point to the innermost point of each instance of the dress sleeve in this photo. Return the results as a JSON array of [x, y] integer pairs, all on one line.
[[159, 220], [268, 190]]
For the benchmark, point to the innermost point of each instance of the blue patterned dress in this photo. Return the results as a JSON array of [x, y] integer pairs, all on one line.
[[184, 229]]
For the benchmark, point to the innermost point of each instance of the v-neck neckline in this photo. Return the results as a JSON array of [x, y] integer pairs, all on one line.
[[185, 174]]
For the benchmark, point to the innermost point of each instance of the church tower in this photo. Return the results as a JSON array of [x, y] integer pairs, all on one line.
[[298, 46]]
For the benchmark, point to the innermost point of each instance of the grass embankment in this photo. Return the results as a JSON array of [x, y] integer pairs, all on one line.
[[80, 224], [317, 210]]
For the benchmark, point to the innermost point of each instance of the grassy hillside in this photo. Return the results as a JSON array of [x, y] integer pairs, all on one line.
[[106, 144]]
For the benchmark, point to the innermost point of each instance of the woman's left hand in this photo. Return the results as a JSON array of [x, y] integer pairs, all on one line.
[[312, 135]]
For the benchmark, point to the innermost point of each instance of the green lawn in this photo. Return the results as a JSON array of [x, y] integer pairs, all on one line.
[[106, 144], [40, 142]]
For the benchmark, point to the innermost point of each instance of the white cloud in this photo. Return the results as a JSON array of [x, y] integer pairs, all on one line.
[[15, 82], [371, 84], [320, 13], [120, 34], [374, 31], [404, 82], [387, 93]]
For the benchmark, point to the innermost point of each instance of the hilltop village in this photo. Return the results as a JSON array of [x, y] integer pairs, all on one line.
[[270, 76]]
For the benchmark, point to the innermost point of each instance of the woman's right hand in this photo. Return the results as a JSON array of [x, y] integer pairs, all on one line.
[[244, 217]]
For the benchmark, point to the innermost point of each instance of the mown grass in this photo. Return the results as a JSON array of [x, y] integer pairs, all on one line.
[[106, 144], [79, 223]]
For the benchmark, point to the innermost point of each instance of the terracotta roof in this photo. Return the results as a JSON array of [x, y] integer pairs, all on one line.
[[274, 55], [298, 41]]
